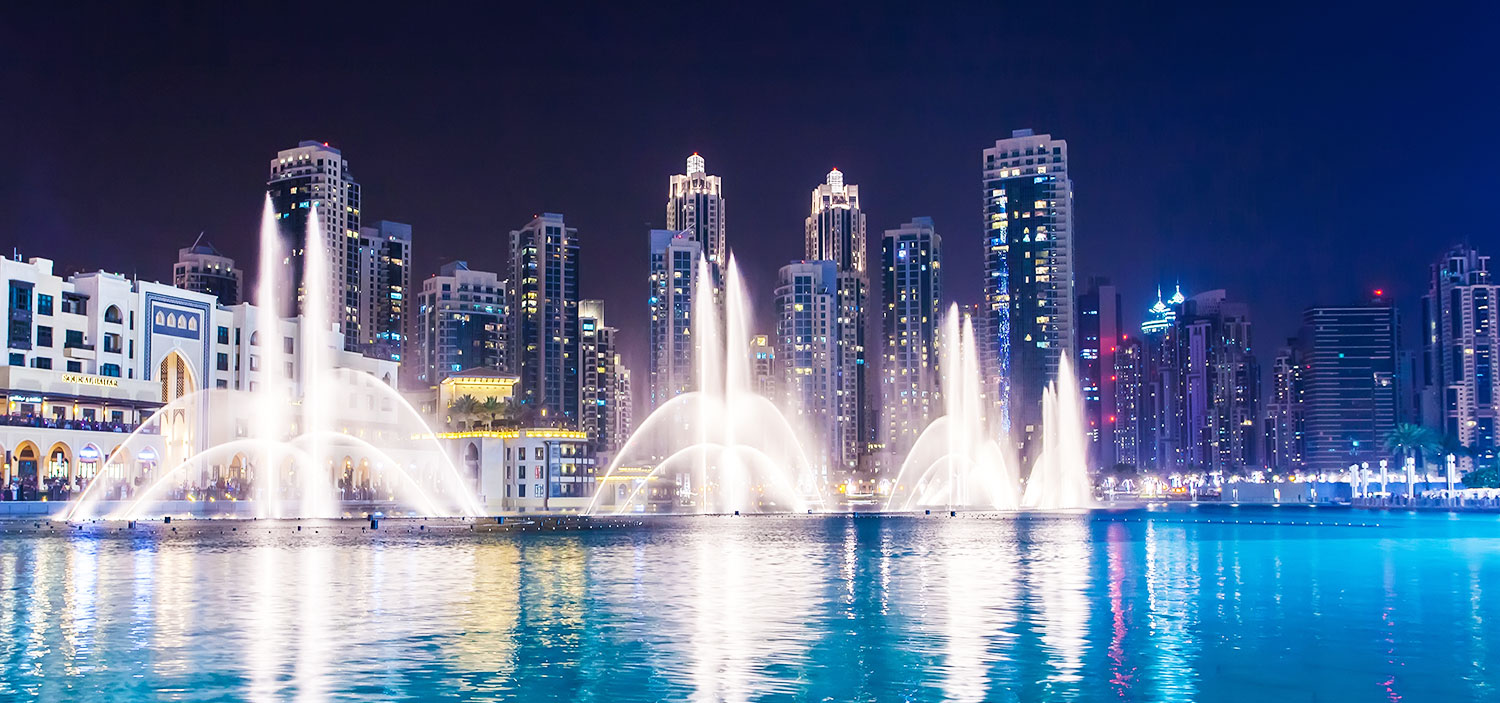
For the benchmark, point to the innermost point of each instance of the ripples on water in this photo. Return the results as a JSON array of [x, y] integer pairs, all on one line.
[[1212, 605]]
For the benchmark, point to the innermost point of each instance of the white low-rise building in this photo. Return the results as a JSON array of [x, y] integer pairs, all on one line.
[[93, 358], [529, 470]]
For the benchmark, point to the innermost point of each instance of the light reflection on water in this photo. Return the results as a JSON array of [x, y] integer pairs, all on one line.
[[1134, 606]]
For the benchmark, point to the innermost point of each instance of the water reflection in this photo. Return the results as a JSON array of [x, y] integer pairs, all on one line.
[[1117, 606]]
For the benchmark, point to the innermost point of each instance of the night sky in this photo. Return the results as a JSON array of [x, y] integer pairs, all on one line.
[[1289, 154]]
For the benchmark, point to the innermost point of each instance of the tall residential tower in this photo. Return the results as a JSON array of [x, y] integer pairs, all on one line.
[[835, 232], [315, 174], [543, 309], [911, 263], [1028, 220]]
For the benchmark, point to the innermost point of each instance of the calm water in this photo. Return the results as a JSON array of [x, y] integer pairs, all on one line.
[[1207, 605]]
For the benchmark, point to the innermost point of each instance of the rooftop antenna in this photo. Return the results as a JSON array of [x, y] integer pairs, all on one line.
[[199, 239]]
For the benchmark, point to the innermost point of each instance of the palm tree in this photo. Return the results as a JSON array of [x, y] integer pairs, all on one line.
[[492, 408], [511, 413], [462, 408], [1409, 441]]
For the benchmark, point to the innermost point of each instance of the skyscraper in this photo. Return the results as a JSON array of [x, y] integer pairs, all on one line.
[[1028, 214], [599, 381], [673, 282], [202, 269], [695, 207], [623, 418], [835, 232], [543, 305], [1130, 429], [1348, 383], [315, 174], [1460, 336], [1099, 326], [807, 331], [384, 289], [1161, 399], [1210, 368], [1285, 448], [461, 324], [911, 262]]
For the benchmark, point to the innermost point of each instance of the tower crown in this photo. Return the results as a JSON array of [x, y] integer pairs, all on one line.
[[695, 164], [836, 179]]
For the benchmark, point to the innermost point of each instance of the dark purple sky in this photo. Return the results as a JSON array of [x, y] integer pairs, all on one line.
[[1292, 155]]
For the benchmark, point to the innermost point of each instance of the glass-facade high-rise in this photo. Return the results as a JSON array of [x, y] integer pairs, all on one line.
[[1348, 383], [461, 324], [1028, 249], [543, 304], [384, 289], [316, 175], [912, 291], [835, 232], [807, 332], [673, 283], [1099, 325], [599, 379], [1460, 338]]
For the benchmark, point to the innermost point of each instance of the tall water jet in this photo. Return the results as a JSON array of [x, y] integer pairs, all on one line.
[[1059, 478], [292, 420], [741, 453], [316, 481], [270, 397], [957, 460]]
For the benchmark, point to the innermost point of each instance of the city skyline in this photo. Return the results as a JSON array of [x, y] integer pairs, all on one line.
[[1203, 214]]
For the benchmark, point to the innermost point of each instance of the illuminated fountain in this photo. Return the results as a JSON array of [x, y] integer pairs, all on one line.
[[331, 442], [725, 447], [958, 462]]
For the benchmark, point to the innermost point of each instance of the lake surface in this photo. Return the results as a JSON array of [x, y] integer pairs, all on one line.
[[1212, 604]]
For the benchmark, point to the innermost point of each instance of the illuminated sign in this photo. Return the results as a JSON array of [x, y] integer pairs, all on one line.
[[86, 380]]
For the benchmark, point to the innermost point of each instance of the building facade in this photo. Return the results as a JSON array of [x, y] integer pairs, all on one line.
[[1130, 428], [807, 331], [94, 357], [835, 232], [1348, 383], [1284, 433], [599, 379], [315, 175], [461, 324], [673, 283], [1460, 336], [912, 291], [543, 308], [1211, 370], [529, 470], [695, 209], [1028, 221], [384, 290], [202, 269], [1099, 328]]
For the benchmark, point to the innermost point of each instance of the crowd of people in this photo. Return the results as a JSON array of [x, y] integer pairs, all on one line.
[[34, 420]]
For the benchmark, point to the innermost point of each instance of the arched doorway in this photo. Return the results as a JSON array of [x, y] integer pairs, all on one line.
[[118, 474], [87, 466], [471, 462], [59, 465], [28, 474], [176, 377]]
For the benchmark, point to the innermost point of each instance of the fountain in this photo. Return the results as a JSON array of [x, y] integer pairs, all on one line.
[[276, 444], [957, 460], [725, 447]]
